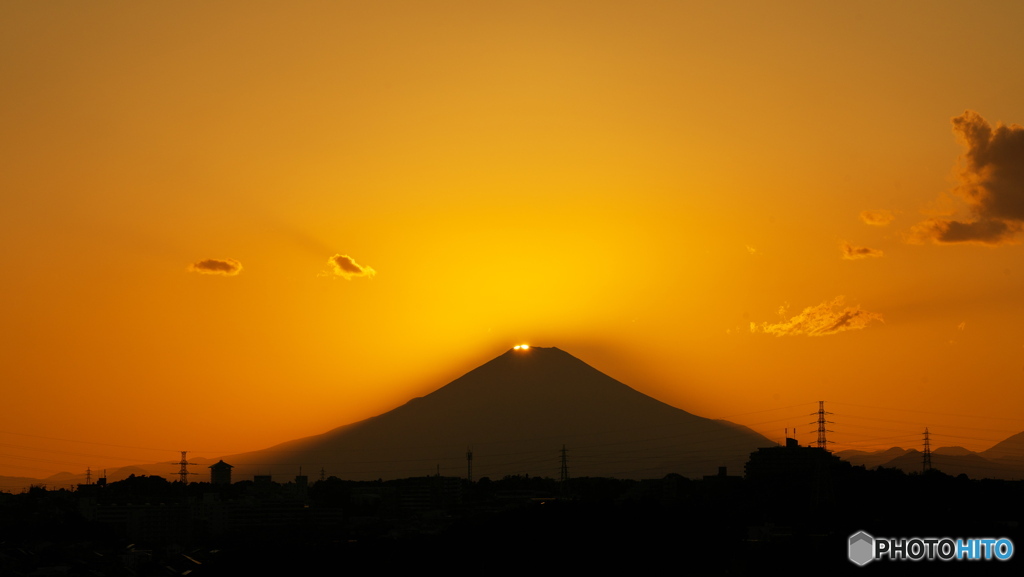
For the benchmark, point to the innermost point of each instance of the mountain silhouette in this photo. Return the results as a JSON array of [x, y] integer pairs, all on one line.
[[1005, 460], [971, 464], [516, 412], [1011, 448]]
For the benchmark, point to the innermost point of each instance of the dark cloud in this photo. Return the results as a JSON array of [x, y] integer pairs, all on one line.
[[226, 266], [851, 252], [345, 266], [877, 217], [991, 182], [985, 231], [828, 318]]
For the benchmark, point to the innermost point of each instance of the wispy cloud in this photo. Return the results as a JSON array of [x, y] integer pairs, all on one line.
[[221, 266], [828, 318], [346, 267], [877, 217], [851, 252], [991, 183]]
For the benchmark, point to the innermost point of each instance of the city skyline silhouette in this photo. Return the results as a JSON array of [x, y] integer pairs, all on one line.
[[516, 409]]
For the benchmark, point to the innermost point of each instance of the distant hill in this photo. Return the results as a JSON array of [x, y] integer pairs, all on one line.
[[872, 459], [516, 412], [19, 484], [1010, 448], [957, 450], [1005, 460], [972, 465]]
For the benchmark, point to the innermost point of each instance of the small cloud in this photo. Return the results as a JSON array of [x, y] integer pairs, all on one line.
[[962, 326], [224, 266], [877, 217], [851, 252], [986, 231], [752, 251], [346, 267], [991, 183], [828, 318]]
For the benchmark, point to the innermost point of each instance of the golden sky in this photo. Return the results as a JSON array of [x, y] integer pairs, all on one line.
[[227, 225]]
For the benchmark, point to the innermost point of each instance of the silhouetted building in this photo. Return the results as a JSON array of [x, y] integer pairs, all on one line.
[[772, 464], [433, 492], [154, 522], [300, 488], [794, 475], [723, 473], [220, 473], [722, 483]]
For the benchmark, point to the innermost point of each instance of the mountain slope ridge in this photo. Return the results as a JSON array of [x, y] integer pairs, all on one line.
[[527, 402]]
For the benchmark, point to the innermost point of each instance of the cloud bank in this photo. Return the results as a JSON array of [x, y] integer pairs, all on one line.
[[828, 318], [877, 217], [225, 266], [851, 252], [991, 182], [346, 267]]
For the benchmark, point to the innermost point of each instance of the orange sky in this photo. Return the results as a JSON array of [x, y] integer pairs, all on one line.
[[659, 188]]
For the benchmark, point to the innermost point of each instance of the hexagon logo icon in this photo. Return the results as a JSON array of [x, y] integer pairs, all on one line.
[[861, 548]]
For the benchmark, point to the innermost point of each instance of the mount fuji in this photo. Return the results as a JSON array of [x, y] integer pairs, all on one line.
[[516, 412]]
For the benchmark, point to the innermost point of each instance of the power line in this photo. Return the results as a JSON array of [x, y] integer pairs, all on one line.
[[183, 471], [822, 442]]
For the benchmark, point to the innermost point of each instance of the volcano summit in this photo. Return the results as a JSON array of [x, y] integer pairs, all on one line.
[[516, 412]]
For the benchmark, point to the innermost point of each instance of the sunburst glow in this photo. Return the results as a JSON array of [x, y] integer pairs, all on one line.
[[410, 199]]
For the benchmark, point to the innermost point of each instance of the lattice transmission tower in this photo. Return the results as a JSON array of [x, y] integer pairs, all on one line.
[[183, 464], [821, 422]]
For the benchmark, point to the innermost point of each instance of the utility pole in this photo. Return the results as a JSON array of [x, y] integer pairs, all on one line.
[[926, 465], [563, 481], [469, 464]]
